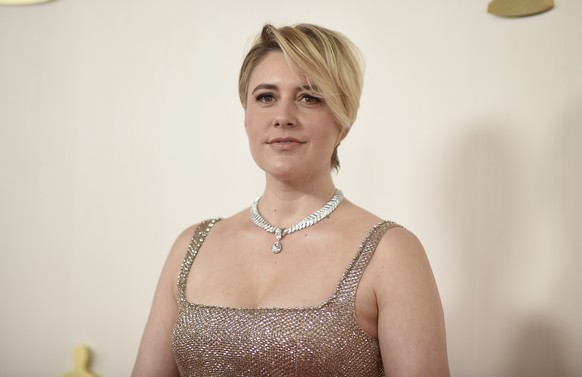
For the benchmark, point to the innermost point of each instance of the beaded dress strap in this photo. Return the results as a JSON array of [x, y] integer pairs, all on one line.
[[349, 282], [198, 238]]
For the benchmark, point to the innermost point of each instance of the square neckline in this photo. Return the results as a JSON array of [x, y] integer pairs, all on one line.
[[192, 252]]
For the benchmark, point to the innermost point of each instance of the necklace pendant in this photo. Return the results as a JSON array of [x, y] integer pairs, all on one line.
[[278, 234], [277, 247], [310, 220]]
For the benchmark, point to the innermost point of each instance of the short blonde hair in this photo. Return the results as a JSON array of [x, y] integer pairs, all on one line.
[[331, 62]]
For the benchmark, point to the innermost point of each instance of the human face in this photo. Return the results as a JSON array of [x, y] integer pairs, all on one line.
[[290, 129]]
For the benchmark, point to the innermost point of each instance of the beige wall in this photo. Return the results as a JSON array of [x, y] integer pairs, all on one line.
[[120, 126]]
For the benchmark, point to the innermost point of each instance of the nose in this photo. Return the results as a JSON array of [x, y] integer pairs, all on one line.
[[285, 114]]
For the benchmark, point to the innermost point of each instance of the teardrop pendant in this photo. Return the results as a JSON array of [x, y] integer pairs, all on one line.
[[310, 220]]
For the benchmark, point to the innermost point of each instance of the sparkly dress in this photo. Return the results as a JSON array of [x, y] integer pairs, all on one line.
[[323, 340]]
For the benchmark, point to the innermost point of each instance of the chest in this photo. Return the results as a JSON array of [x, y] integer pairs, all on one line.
[[242, 271]]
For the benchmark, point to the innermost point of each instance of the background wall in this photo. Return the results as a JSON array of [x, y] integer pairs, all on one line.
[[120, 126]]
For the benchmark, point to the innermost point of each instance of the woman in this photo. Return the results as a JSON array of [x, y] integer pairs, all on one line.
[[304, 283]]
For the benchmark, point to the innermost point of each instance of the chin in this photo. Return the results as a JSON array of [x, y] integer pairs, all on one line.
[[287, 168], [284, 173]]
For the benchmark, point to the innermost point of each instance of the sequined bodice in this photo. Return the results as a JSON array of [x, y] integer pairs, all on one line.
[[315, 341]]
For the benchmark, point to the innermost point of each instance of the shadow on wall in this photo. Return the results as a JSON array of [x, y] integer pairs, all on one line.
[[567, 293], [481, 201], [544, 347], [536, 351], [489, 205]]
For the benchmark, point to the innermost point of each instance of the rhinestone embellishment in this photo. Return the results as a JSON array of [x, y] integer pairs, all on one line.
[[310, 220], [277, 247]]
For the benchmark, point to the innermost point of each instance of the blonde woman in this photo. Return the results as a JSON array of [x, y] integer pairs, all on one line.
[[303, 282]]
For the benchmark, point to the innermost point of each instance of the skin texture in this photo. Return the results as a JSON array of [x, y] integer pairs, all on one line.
[[291, 137]]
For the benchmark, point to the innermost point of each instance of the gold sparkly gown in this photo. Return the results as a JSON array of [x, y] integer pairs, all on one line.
[[324, 340]]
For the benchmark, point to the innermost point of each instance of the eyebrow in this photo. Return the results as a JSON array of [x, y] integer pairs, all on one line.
[[275, 87], [264, 86]]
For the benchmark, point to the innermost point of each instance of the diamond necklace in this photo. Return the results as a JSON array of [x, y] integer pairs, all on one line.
[[310, 220]]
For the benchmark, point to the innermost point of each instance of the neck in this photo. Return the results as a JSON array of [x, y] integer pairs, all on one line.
[[282, 231], [284, 204]]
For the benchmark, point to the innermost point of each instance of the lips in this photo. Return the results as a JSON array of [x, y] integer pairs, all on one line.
[[284, 140], [285, 144]]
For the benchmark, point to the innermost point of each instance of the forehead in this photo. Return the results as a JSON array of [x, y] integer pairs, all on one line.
[[274, 68]]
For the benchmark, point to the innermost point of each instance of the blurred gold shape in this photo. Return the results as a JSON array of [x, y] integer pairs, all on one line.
[[82, 359], [519, 8], [22, 2]]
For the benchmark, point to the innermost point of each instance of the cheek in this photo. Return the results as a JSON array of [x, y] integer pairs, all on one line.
[[331, 132], [250, 118], [249, 122], [251, 129]]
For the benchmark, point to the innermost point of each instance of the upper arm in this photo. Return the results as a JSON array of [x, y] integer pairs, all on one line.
[[155, 356], [411, 328]]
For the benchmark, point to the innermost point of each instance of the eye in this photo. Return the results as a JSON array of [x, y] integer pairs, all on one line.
[[310, 99], [265, 97]]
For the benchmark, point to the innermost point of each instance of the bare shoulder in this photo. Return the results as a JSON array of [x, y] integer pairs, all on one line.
[[155, 356], [180, 246], [397, 243], [400, 252], [411, 326], [177, 254], [184, 239]]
